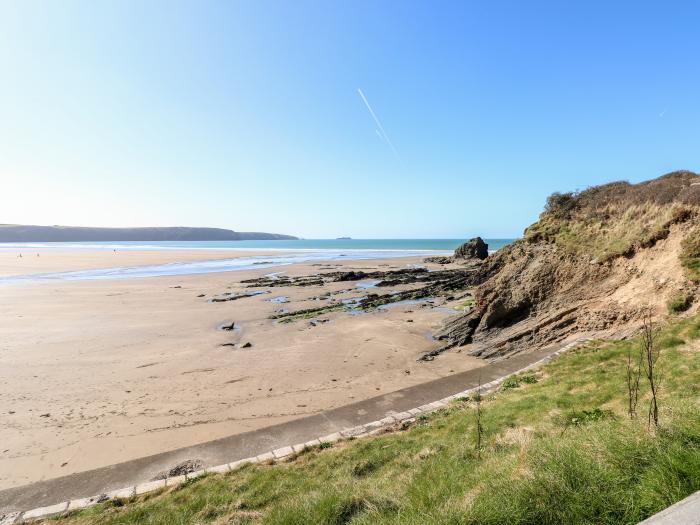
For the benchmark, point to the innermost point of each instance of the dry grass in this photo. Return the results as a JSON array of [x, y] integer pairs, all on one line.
[[611, 233], [690, 256], [618, 218]]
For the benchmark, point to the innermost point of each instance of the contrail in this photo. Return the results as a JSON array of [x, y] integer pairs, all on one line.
[[379, 125]]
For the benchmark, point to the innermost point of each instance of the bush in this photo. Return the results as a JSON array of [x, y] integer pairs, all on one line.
[[561, 204], [680, 303], [516, 381], [583, 417]]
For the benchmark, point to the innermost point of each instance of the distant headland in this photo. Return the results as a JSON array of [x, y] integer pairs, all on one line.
[[28, 233]]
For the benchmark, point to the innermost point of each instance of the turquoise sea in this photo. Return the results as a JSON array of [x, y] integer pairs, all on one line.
[[279, 254], [301, 244]]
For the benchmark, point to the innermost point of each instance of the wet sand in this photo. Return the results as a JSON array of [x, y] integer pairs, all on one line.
[[97, 372], [63, 260]]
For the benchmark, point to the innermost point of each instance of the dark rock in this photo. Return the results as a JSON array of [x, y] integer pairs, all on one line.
[[439, 259], [387, 278], [180, 469], [247, 345], [351, 276], [474, 248], [228, 326], [228, 296]]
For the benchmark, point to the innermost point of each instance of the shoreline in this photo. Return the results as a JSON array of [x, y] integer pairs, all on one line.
[[154, 263]]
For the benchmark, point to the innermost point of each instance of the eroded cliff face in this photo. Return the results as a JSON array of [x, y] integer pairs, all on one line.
[[593, 264]]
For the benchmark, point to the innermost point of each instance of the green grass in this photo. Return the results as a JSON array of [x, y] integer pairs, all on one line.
[[517, 380], [558, 450], [609, 233], [690, 255], [680, 303]]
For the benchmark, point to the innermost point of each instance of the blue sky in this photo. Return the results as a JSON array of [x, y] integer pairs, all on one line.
[[246, 115]]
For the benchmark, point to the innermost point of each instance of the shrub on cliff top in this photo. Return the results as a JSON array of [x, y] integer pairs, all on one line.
[[561, 204], [618, 218]]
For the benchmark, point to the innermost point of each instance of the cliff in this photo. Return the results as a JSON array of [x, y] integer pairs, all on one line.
[[594, 263]]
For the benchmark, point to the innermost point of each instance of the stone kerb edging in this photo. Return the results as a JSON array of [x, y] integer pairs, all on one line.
[[360, 431]]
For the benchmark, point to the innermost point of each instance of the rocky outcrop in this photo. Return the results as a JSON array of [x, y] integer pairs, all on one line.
[[526, 291], [439, 259], [595, 263], [474, 248]]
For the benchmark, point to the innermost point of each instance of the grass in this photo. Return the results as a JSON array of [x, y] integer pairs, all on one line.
[[557, 448], [517, 380], [680, 303], [608, 233], [690, 255]]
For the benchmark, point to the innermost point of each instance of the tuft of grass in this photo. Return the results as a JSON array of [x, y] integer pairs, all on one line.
[[583, 417], [690, 254], [680, 303], [517, 380], [603, 469]]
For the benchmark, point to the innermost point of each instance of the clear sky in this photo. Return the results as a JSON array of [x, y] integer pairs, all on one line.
[[247, 115]]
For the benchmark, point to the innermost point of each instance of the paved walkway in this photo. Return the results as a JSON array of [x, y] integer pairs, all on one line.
[[685, 512], [256, 442]]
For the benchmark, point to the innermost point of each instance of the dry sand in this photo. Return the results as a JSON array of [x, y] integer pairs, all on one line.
[[97, 372]]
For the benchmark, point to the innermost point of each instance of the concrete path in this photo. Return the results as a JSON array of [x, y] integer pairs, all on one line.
[[685, 512], [252, 443]]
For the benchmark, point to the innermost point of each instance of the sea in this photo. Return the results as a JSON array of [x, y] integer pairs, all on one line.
[[279, 253]]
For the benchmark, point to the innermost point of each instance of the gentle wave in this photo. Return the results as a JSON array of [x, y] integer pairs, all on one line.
[[215, 266]]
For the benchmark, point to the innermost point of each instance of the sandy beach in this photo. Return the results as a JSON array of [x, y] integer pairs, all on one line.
[[64, 260], [97, 372]]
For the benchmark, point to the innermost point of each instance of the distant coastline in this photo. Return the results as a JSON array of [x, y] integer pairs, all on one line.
[[31, 233]]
